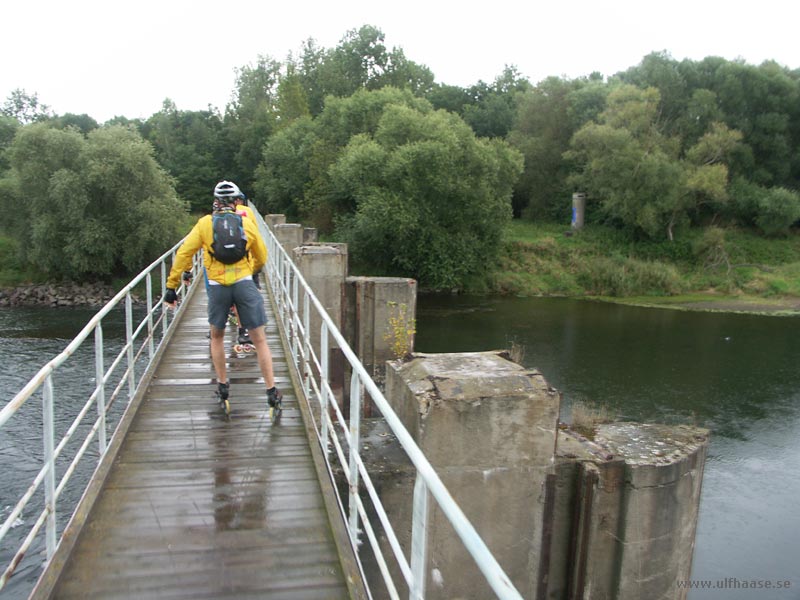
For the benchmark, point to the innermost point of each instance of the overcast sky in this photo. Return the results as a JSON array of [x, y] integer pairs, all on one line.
[[124, 58]]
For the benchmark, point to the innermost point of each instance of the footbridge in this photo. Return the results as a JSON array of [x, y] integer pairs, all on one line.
[[147, 490]]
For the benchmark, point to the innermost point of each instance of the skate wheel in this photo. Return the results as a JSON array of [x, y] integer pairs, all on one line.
[[225, 405]]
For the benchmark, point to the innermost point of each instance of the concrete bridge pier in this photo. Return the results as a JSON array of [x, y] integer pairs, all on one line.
[[289, 235], [310, 235], [380, 322], [272, 220], [488, 427], [623, 508], [567, 517], [324, 267]]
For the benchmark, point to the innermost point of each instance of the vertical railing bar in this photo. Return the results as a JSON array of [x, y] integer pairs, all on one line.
[[295, 320], [306, 344], [419, 539], [287, 276], [151, 348], [100, 387], [323, 355], [164, 313], [355, 430], [129, 341], [48, 433]]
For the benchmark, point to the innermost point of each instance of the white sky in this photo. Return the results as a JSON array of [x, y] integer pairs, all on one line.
[[108, 58]]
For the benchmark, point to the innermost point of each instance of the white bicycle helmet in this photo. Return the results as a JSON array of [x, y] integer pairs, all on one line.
[[227, 192]]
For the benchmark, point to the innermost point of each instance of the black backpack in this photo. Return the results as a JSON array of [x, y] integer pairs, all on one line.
[[230, 241]]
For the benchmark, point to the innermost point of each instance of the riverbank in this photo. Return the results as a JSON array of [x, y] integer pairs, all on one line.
[[740, 271], [57, 295], [777, 307]]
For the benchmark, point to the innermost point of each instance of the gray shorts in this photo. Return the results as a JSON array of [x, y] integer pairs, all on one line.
[[247, 298]]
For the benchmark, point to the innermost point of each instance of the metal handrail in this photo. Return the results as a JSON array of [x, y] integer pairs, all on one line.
[[144, 335], [287, 286]]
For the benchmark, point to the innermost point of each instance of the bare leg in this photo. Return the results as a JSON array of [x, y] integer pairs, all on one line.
[[259, 338], [218, 354]]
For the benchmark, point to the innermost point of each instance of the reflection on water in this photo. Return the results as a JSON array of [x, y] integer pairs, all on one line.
[[735, 374]]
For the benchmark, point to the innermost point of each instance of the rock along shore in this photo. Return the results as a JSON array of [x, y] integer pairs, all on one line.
[[58, 294]]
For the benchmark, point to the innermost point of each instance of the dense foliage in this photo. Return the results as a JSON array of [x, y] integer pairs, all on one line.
[[420, 176], [89, 206]]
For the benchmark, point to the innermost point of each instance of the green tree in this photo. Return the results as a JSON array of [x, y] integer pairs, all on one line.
[[251, 118], [94, 205], [542, 131], [292, 101], [638, 174], [8, 129], [361, 61], [282, 177], [24, 107], [83, 123], [188, 145], [491, 112], [449, 97], [342, 119], [431, 199]]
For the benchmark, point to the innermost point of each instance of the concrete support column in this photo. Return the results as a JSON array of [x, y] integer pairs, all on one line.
[[310, 235], [324, 268], [272, 220], [624, 512], [488, 426], [289, 235], [380, 312], [578, 209]]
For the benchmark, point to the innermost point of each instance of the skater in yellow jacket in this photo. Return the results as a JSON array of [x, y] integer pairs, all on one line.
[[233, 254]]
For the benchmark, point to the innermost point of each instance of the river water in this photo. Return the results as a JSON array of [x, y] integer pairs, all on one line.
[[29, 338], [734, 374], [737, 375]]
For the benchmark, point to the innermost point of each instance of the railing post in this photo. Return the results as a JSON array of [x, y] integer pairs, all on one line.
[[355, 434], [307, 344], [129, 342], [99, 373], [151, 348], [48, 433], [419, 539], [324, 385], [295, 320], [165, 312], [287, 276]]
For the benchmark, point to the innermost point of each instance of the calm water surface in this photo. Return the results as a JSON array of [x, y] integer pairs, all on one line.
[[29, 338], [737, 375]]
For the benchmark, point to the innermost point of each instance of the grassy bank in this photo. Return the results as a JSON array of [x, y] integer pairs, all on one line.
[[712, 268], [699, 266]]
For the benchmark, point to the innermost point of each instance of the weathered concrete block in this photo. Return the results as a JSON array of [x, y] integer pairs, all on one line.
[[324, 268], [272, 220], [289, 235], [370, 305], [310, 235], [488, 427], [634, 498]]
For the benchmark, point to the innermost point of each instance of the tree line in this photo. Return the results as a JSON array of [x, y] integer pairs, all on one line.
[[419, 177]]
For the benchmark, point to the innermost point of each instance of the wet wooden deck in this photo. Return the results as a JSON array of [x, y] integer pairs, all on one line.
[[198, 506]]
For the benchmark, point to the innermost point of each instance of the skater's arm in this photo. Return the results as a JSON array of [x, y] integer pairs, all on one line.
[[183, 263], [257, 248]]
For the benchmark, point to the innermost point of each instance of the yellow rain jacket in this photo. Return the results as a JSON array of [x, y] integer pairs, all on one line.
[[202, 236]]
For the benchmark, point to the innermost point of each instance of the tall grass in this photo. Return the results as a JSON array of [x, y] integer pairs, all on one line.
[[548, 259]]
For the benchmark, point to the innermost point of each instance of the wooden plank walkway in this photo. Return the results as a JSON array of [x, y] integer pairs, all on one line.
[[199, 506]]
